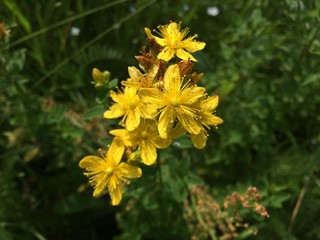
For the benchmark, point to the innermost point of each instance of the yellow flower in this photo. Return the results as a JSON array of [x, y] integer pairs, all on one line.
[[173, 43], [175, 101], [129, 105], [146, 137], [139, 80], [109, 173], [207, 106]]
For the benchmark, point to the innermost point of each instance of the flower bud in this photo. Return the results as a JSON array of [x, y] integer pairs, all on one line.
[[100, 78]]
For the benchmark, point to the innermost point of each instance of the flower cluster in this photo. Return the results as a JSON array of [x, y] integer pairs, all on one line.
[[156, 105], [206, 218]]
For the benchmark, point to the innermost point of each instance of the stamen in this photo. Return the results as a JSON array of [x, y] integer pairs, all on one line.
[[175, 102], [109, 170]]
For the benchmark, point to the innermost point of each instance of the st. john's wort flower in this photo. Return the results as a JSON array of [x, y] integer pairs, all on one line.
[[174, 43], [109, 173]]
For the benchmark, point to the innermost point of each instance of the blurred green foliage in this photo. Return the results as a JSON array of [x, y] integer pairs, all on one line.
[[261, 58]]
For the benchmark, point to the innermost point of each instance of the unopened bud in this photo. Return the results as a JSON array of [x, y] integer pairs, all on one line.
[[100, 78]]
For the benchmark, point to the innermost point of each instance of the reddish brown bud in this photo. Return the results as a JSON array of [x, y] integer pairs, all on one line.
[[185, 67]]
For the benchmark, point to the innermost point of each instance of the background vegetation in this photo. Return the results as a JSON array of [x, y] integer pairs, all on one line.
[[261, 58]]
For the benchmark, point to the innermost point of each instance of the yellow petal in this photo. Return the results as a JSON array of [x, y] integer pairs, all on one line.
[[133, 119], [192, 94], [186, 110], [124, 135], [148, 32], [161, 143], [172, 80], [189, 123], [151, 95], [178, 131], [135, 74], [101, 184], [166, 122], [160, 41], [208, 119], [210, 103], [115, 96], [115, 111], [148, 152], [173, 29], [128, 171], [154, 70], [166, 54], [115, 152], [130, 94], [191, 45], [92, 163], [118, 132], [130, 83], [214, 120], [182, 54], [199, 140], [148, 111], [144, 124], [116, 194]]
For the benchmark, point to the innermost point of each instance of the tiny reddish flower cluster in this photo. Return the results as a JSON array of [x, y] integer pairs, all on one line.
[[206, 218]]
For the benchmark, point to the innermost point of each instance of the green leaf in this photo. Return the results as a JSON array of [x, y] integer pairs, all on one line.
[[311, 78], [16, 11], [4, 234], [182, 166], [235, 137], [226, 87], [315, 48], [113, 83], [247, 233], [57, 114], [183, 142], [105, 141], [96, 111], [178, 189], [75, 203], [277, 201], [194, 179], [315, 51], [16, 63]]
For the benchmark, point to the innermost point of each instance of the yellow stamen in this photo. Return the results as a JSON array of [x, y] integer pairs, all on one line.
[[144, 134], [109, 170], [175, 102]]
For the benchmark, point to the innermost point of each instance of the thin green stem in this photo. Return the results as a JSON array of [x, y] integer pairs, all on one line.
[[298, 203], [201, 220], [88, 44], [67, 20], [36, 234], [159, 170]]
